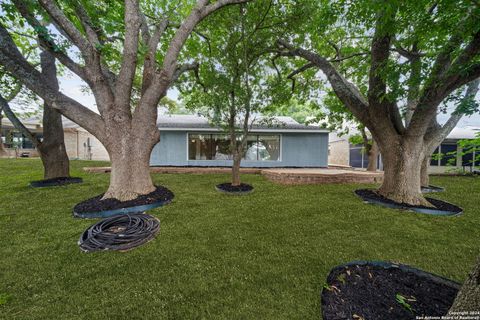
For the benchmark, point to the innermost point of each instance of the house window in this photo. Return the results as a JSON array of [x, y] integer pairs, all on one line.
[[435, 157], [469, 154], [217, 147], [448, 154]]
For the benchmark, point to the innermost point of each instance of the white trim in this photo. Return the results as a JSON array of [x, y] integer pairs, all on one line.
[[253, 131]]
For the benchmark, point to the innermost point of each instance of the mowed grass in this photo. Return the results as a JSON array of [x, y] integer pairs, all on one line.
[[261, 256]]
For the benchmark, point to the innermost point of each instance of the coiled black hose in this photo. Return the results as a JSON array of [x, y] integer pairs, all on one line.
[[121, 232]]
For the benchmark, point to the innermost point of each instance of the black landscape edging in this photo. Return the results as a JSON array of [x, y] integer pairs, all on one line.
[[347, 305], [55, 182], [124, 210], [431, 189], [424, 210], [249, 189]]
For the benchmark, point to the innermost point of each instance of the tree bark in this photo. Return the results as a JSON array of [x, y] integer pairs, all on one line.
[[424, 176], [468, 298], [401, 182], [373, 157], [52, 149], [237, 158], [130, 151]]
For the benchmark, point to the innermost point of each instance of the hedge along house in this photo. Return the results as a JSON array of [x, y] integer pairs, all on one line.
[[189, 140]]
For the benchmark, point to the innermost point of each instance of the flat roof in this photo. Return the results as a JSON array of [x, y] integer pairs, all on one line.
[[178, 122]]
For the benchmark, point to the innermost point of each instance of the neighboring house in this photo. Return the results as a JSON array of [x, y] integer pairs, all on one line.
[[79, 143], [188, 140], [341, 152], [17, 144]]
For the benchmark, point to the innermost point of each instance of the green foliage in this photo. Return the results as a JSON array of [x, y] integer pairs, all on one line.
[[355, 139], [236, 78], [470, 146], [465, 147], [343, 30]]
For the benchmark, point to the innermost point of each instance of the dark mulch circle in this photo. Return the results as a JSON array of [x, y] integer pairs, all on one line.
[[121, 233], [97, 208], [55, 182], [432, 188], [380, 291], [440, 207], [243, 188]]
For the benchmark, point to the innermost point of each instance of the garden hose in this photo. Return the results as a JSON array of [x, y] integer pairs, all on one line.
[[121, 232]]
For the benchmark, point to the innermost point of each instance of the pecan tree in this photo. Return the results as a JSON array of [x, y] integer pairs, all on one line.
[[445, 37], [114, 47]]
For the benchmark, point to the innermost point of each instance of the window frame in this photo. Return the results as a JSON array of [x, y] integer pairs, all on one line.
[[256, 134]]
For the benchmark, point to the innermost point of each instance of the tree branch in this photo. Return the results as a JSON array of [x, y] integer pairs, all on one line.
[[149, 64], [164, 77], [18, 66], [292, 75], [446, 77], [189, 67], [123, 86], [380, 106], [47, 43], [437, 133], [346, 91], [67, 26]]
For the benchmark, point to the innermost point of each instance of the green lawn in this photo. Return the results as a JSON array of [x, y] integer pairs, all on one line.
[[261, 256]]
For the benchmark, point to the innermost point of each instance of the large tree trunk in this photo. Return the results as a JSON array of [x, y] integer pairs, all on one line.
[[401, 181], [237, 158], [52, 149], [130, 151], [373, 157], [468, 298]]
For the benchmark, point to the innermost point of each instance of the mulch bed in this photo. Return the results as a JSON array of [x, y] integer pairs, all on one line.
[[385, 291], [243, 188], [55, 182], [440, 206], [160, 196]]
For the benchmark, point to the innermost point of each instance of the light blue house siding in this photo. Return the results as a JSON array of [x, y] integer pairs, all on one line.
[[298, 149]]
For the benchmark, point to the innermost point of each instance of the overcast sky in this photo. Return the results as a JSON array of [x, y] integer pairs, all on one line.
[[71, 85]]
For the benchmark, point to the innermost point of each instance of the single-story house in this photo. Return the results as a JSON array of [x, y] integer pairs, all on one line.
[[342, 152], [190, 140]]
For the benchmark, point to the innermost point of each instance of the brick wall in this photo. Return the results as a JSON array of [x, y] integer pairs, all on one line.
[[292, 178]]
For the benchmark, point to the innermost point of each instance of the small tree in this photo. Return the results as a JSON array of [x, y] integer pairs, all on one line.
[[107, 44], [235, 75]]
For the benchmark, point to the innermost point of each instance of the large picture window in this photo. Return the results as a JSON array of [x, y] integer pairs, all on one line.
[[217, 147]]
